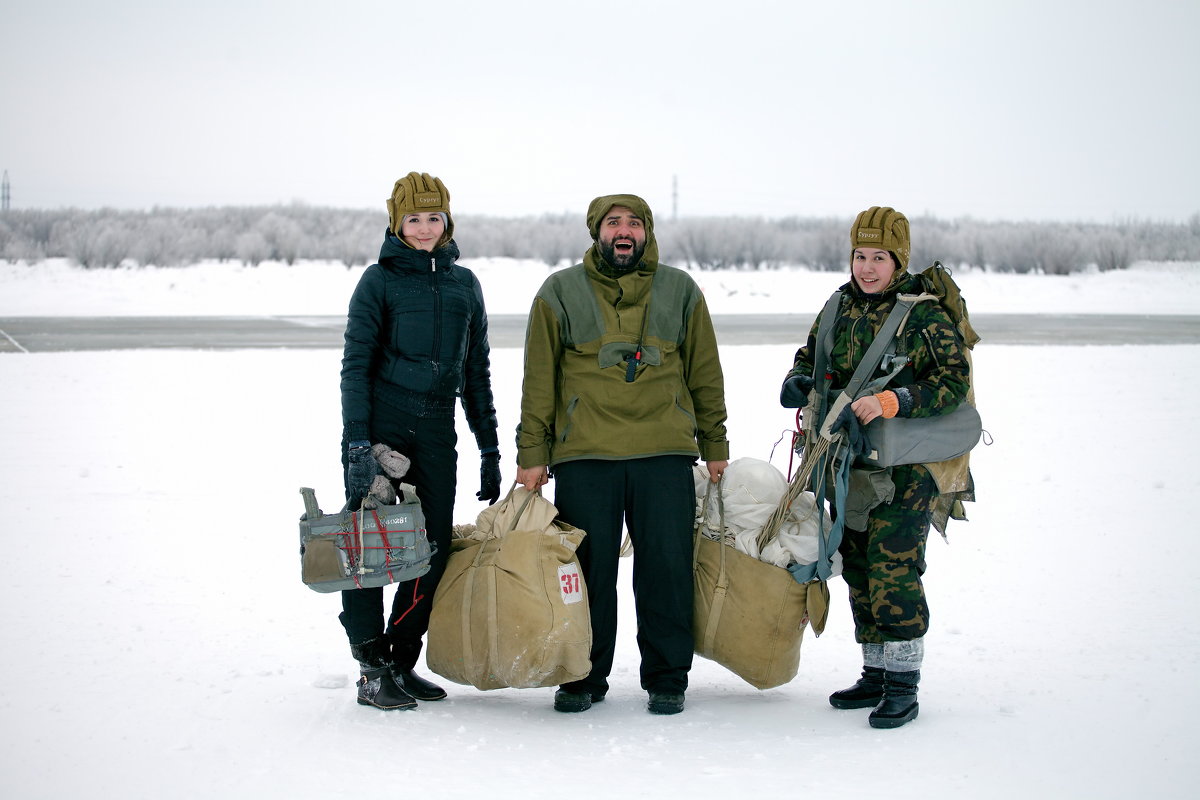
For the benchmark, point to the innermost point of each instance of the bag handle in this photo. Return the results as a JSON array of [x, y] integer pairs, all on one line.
[[409, 493], [708, 492], [721, 587], [508, 499], [700, 525], [524, 505], [312, 512]]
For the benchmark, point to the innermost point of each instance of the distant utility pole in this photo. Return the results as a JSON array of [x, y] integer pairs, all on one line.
[[5, 193], [674, 196]]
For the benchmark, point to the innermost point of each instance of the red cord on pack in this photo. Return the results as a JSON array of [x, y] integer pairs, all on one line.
[[797, 435], [416, 599]]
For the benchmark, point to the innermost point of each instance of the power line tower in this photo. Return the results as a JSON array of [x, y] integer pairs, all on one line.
[[674, 197], [5, 193]]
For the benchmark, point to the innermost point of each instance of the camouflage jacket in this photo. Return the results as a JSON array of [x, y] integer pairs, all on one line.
[[937, 380]]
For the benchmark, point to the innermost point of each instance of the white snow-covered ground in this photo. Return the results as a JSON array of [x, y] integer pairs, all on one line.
[[159, 643]]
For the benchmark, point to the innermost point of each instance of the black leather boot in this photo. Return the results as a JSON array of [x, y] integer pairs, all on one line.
[[570, 702], [376, 686], [573, 699], [405, 654], [417, 686], [866, 692], [665, 702], [899, 704]]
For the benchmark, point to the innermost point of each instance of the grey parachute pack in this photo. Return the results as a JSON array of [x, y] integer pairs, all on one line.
[[366, 548]]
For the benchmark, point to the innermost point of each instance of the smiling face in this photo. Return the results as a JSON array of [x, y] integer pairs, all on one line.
[[423, 231], [872, 269], [622, 237]]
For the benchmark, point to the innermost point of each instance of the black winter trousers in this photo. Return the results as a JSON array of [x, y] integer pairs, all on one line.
[[430, 446], [655, 498]]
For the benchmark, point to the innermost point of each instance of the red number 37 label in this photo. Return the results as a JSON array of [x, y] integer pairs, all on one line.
[[570, 584]]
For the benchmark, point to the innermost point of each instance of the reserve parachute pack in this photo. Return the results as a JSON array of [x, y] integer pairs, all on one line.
[[363, 549]]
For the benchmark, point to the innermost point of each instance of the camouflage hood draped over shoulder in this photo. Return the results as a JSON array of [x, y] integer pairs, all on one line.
[[601, 206]]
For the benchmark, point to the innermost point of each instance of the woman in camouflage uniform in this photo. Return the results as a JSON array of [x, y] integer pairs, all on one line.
[[883, 544]]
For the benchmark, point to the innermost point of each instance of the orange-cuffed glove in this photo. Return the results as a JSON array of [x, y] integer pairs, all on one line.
[[889, 402]]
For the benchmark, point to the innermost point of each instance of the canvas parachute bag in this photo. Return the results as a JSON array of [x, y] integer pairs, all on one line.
[[511, 609], [366, 548], [749, 616]]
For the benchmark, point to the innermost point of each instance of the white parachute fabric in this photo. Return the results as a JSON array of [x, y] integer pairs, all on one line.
[[752, 491]]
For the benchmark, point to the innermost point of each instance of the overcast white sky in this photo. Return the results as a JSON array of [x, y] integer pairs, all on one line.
[[1032, 109]]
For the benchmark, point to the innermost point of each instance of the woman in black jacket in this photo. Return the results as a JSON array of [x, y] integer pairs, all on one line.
[[416, 340]]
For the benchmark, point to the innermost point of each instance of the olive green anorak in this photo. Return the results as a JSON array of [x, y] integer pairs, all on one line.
[[584, 326]]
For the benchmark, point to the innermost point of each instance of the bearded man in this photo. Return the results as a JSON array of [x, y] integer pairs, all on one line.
[[622, 393]]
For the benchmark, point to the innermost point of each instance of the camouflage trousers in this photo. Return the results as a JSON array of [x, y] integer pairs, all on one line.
[[883, 565]]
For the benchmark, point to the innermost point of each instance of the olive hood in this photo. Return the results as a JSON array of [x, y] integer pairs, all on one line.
[[601, 206]]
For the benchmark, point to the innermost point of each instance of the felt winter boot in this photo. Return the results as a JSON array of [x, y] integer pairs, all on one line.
[[376, 686], [899, 704], [902, 672], [867, 691]]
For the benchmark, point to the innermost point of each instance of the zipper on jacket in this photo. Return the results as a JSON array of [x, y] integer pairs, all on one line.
[[574, 401], [435, 356], [851, 341]]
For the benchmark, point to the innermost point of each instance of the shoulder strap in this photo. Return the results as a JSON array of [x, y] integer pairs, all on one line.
[[883, 343], [883, 340], [824, 345]]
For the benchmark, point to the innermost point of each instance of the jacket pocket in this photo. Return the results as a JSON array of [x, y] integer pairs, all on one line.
[[414, 375], [687, 412], [618, 353], [570, 418]]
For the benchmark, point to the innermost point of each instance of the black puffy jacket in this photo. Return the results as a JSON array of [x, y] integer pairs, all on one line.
[[416, 338]]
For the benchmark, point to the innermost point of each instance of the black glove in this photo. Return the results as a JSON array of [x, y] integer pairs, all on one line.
[[856, 433], [489, 477], [794, 393], [361, 469]]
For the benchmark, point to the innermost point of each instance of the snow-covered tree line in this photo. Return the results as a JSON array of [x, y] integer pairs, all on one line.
[[176, 237]]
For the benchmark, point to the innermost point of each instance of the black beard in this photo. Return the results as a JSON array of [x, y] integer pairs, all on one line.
[[622, 261]]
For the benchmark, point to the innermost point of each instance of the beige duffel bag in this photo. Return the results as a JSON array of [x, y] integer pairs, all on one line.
[[511, 609], [750, 616]]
